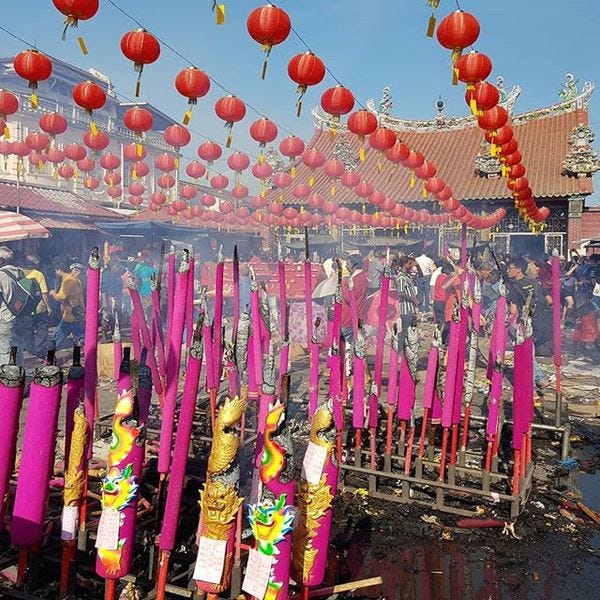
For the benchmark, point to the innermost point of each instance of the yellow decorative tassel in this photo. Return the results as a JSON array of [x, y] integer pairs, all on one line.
[[187, 117], [333, 190], [93, 128], [139, 149], [473, 106], [412, 180], [261, 158], [134, 175], [361, 154], [82, 45], [503, 170], [19, 167], [311, 181], [34, 100], [379, 166], [75, 173], [405, 228], [431, 26], [176, 163], [454, 76], [55, 174], [493, 149], [293, 171], [6, 133], [229, 141], [332, 131], [424, 193], [281, 197], [263, 192], [220, 13]]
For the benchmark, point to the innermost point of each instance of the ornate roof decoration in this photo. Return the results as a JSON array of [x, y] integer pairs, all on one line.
[[572, 99], [581, 160], [487, 165], [274, 159], [347, 154], [386, 103]]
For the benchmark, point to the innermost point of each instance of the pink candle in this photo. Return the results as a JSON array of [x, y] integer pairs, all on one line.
[[431, 374], [308, 299], [144, 389], [358, 388], [75, 385], [208, 350], [182, 442], [12, 381], [460, 363], [92, 305], [497, 366], [173, 366], [37, 457], [335, 387]]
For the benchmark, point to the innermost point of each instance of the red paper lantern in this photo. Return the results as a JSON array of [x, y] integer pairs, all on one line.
[[337, 101], [76, 10], [158, 198], [231, 110], [445, 194], [290, 213], [91, 183], [96, 141], [136, 189], [398, 152], [377, 198], [282, 180], [301, 191], [334, 168], [501, 136], [388, 205], [313, 158], [268, 26], [316, 200], [66, 171], [472, 68], [382, 139], [188, 192], [179, 205], [165, 162], [9, 104], [195, 169], [53, 123], [263, 131], [239, 192], [37, 159], [362, 122], [37, 140], [85, 165], [426, 170], [238, 161], [56, 156], [350, 179], [483, 96], [114, 192], [208, 200], [219, 182], [330, 207], [544, 213], [20, 149], [177, 136], [33, 66], [134, 152], [225, 207], [155, 208], [135, 201], [509, 147], [138, 119], [291, 146], [258, 202], [209, 151], [434, 185], [514, 158], [364, 189], [89, 96], [112, 178], [192, 83], [414, 160], [5, 148], [165, 181], [139, 169], [262, 170], [516, 171], [458, 30], [141, 48], [75, 152], [275, 208], [306, 70], [493, 119]]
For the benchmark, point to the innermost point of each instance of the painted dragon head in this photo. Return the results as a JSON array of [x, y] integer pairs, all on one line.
[[119, 488], [270, 523]]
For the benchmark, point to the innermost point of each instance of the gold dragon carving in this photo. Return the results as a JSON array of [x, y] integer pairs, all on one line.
[[313, 501], [74, 475]]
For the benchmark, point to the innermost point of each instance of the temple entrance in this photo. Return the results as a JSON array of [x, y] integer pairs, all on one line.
[[521, 244]]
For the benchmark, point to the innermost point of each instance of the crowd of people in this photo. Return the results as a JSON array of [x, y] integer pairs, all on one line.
[[424, 288]]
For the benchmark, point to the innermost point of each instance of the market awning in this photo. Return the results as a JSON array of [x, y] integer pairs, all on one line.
[[144, 229], [14, 226], [56, 223]]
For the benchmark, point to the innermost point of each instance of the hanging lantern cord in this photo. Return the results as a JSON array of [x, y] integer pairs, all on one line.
[[300, 91]]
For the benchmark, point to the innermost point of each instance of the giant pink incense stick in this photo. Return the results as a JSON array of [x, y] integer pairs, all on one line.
[[189, 306], [12, 382], [116, 530], [556, 304], [430, 385], [236, 294], [124, 382], [256, 330], [315, 501], [75, 385], [171, 279], [173, 366], [180, 454], [392, 392], [450, 384], [37, 457], [520, 426], [407, 390], [117, 348], [282, 289], [358, 394], [308, 290], [156, 328], [92, 305], [218, 317], [144, 392], [140, 319], [267, 397], [313, 372], [378, 374]]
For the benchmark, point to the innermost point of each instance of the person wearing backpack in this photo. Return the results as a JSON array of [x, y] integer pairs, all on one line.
[[38, 345], [70, 296], [9, 275]]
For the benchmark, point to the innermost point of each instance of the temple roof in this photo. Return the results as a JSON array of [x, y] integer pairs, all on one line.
[[556, 144]]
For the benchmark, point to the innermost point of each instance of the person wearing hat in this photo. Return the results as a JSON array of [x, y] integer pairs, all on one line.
[[70, 296]]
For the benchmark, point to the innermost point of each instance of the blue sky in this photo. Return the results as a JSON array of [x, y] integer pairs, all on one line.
[[367, 44]]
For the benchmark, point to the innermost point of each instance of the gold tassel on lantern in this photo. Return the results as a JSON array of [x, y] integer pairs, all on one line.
[[311, 181], [412, 180], [6, 132], [82, 45], [424, 192], [431, 26], [361, 154], [93, 128], [473, 106], [139, 149], [293, 171], [34, 100], [187, 117], [333, 190]]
